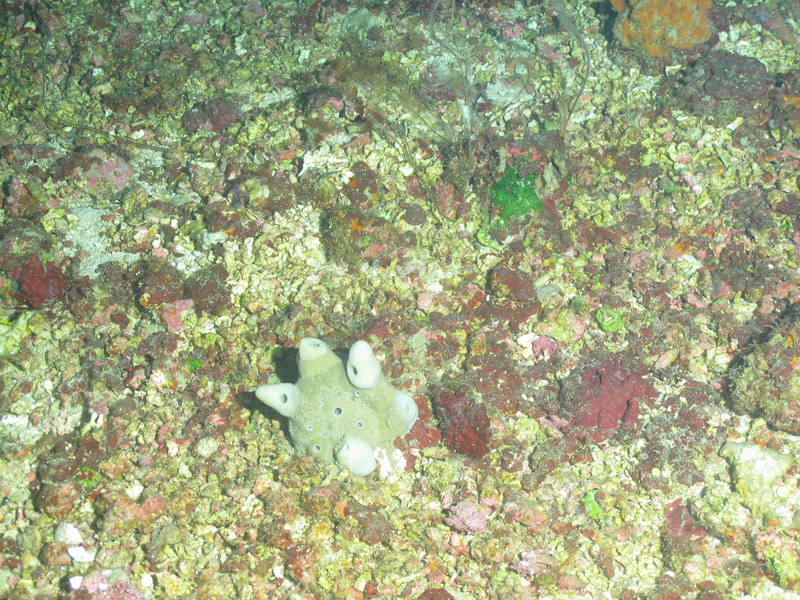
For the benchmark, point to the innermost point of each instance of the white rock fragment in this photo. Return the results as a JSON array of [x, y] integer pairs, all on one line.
[[80, 554], [67, 533], [756, 470], [207, 447]]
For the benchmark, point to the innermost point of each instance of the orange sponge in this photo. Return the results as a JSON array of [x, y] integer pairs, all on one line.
[[658, 26]]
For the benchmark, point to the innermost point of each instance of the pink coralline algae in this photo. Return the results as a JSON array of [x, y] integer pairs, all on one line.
[[600, 398], [467, 517], [102, 171], [532, 563], [171, 314], [107, 584]]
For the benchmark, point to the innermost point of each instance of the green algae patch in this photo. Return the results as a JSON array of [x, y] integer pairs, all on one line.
[[592, 506], [515, 195], [609, 319]]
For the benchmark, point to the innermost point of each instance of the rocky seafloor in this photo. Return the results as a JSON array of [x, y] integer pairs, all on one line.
[[590, 291]]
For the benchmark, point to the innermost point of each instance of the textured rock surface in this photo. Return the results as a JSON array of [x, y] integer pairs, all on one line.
[[767, 382]]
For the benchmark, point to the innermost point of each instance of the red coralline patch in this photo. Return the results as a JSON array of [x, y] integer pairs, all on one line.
[[212, 115], [39, 282], [464, 423], [682, 533], [600, 398]]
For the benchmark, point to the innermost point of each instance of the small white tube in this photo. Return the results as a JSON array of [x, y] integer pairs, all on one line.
[[406, 408], [363, 368], [357, 457], [281, 396]]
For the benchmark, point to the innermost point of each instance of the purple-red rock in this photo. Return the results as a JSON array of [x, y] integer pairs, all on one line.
[[207, 288], [510, 283], [161, 284], [464, 423], [603, 396], [38, 283]]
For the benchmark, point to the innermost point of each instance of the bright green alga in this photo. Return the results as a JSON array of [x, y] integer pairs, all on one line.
[[514, 196]]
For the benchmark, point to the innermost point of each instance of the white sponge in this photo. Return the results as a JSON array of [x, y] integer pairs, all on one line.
[[282, 397], [406, 408], [311, 348], [363, 369], [357, 457]]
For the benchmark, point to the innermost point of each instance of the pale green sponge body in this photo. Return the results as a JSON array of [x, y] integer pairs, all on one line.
[[341, 411]]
